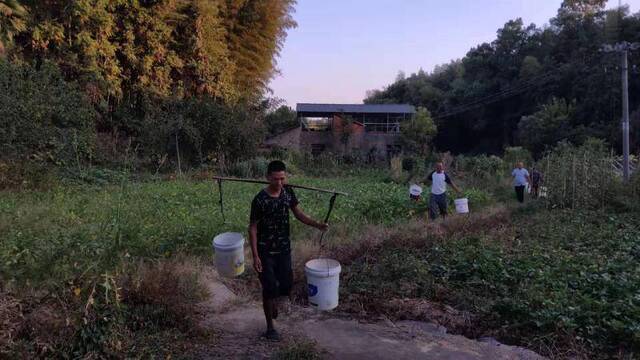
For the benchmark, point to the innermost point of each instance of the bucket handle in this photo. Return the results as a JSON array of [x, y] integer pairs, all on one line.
[[326, 218]]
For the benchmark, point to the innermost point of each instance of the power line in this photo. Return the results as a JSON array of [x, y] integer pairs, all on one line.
[[507, 93], [504, 94], [489, 99]]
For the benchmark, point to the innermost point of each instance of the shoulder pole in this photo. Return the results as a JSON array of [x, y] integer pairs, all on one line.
[[224, 221]]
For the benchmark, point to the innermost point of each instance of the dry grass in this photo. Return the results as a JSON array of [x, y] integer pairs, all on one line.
[[10, 319], [418, 309], [161, 299], [166, 292], [33, 325], [418, 233]]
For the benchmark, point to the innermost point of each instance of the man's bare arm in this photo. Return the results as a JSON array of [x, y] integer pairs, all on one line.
[[303, 218], [456, 188], [253, 240]]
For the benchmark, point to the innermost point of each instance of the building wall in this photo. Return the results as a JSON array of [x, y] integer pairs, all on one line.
[[289, 139], [371, 144]]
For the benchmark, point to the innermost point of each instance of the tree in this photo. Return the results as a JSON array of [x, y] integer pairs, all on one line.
[[583, 7], [256, 30], [280, 120], [530, 67], [485, 94], [125, 51], [42, 117], [416, 134], [552, 123], [12, 22]]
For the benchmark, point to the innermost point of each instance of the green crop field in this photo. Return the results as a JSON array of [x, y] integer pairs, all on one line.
[[553, 280]]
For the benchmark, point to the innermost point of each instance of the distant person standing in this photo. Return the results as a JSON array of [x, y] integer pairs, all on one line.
[[438, 199], [536, 181], [520, 180]]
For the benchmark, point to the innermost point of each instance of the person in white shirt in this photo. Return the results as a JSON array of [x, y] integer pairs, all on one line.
[[438, 199], [520, 180]]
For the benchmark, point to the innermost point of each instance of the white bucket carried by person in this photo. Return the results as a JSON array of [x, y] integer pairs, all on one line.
[[543, 191], [414, 192], [323, 279], [462, 205], [229, 254]]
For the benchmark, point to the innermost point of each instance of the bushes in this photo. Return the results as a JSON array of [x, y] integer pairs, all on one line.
[[409, 164], [254, 168], [41, 116], [200, 130], [514, 154], [106, 316], [43, 121], [47, 120], [481, 166]]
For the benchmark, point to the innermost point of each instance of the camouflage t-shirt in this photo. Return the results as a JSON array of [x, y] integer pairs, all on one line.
[[271, 214]]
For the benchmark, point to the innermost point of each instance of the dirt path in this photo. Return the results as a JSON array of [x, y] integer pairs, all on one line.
[[239, 323]]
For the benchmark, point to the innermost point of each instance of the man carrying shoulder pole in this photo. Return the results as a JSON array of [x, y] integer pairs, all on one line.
[[269, 237]]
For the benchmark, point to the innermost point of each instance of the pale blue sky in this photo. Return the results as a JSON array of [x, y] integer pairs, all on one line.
[[342, 48]]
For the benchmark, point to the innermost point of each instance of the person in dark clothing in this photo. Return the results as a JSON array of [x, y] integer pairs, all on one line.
[[270, 243], [536, 181]]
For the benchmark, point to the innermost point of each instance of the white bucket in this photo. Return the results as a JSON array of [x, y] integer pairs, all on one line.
[[229, 253], [323, 277], [462, 205], [543, 191], [415, 191]]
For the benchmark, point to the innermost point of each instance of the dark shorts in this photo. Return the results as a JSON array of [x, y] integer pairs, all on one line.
[[276, 276], [520, 192], [437, 203]]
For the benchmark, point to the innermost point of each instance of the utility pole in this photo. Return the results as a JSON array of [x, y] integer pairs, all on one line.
[[623, 48]]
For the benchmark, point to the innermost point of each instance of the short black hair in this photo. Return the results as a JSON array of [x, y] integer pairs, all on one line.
[[276, 166]]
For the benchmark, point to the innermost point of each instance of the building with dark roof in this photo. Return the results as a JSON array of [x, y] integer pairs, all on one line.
[[370, 130]]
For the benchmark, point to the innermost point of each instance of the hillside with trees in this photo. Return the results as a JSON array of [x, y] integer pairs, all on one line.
[[554, 77]]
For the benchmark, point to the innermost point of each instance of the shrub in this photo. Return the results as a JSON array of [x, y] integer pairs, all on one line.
[[480, 166], [42, 117], [254, 168], [240, 169], [259, 166], [514, 154], [201, 129], [409, 164]]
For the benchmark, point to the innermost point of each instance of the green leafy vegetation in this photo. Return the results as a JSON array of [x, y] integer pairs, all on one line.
[[552, 276]]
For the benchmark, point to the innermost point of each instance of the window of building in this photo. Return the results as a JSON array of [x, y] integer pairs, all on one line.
[[316, 123]]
